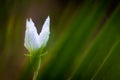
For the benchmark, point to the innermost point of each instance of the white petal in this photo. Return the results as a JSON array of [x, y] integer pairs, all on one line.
[[44, 35], [46, 25], [31, 36]]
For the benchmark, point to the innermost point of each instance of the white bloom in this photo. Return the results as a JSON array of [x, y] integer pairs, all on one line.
[[34, 41]]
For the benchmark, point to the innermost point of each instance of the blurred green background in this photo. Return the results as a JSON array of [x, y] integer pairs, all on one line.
[[84, 42]]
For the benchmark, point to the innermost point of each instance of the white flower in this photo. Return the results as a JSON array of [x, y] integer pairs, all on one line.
[[34, 41]]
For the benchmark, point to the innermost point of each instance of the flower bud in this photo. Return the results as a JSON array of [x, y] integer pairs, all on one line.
[[34, 41]]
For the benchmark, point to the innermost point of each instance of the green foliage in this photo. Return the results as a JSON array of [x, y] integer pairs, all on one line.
[[88, 50]]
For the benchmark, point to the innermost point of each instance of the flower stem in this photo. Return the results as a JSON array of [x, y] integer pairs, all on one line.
[[36, 67], [35, 75]]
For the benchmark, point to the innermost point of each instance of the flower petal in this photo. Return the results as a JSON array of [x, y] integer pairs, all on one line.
[[44, 35], [31, 36]]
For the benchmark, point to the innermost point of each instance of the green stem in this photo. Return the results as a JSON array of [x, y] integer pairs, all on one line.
[[36, 67], [36, 62], [35, 75]]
